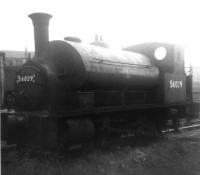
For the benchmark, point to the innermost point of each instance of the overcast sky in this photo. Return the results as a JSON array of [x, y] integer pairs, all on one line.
[[120, 22]]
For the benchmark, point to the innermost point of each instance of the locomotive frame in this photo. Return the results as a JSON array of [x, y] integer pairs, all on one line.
[[70, 91]]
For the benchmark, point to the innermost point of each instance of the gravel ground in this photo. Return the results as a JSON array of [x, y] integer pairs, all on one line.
[[172, 155]]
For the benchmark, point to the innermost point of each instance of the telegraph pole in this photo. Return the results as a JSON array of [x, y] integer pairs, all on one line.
[[2, 81]]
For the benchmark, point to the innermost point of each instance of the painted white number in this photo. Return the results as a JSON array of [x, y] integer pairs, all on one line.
[[25, 78], [175, 84]]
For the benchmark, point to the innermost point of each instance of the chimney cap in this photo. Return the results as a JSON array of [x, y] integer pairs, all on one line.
[[40, 17]]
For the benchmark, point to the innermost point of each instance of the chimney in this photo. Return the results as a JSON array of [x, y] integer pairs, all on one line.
[[41, 32]]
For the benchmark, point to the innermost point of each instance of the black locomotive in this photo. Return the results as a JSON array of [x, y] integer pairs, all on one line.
[[70, 90]]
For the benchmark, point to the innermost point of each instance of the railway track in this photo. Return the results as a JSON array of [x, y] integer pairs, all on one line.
[[9, 152], [183, 126]]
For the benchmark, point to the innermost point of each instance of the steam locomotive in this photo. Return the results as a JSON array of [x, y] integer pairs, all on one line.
[[71, 90]]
